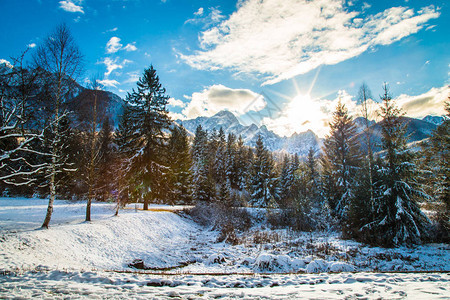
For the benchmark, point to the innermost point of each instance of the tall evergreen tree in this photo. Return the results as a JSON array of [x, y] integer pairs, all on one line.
[[436, 163], [231, 157], [180, 166], [203, 184], [263, 177], [286, 182], [240, 166], [340, 161], [397, 217], [149, 123], [220, 158], [104, 185], [126, 147]]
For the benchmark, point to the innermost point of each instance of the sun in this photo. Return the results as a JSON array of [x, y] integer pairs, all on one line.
[[301, 112]]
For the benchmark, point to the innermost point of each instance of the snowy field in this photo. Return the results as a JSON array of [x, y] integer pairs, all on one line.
[[182, 259]]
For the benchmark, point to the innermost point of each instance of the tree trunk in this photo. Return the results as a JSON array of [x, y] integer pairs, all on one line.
[[92, 158], [145, 204], [55, 154], [117, 206], [48, 216]]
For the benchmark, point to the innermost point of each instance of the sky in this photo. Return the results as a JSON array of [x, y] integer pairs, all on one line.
[[284, 64]]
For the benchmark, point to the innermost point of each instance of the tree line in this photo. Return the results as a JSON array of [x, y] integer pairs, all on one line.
[[373, 197]]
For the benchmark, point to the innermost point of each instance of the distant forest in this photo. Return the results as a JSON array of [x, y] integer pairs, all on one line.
[[375, 197]]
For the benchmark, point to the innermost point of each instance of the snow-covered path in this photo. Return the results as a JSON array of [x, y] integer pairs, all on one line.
[[106, 285]]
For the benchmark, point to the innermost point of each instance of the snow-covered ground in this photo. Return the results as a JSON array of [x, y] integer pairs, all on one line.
[[88, 259]]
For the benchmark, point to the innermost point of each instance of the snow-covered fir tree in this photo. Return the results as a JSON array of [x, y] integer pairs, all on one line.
[[202, 181], [263, 178], [397, 219], [340, 161], [220, 158], [231, 158], [180, 164], [286, 182], [103, 185], [149, 122], [126, 146], [436, 164]]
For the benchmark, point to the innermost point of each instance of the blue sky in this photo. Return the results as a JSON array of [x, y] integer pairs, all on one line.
[[283, 64]]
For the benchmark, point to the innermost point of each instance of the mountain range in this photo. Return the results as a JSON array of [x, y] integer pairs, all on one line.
[[300, 143]]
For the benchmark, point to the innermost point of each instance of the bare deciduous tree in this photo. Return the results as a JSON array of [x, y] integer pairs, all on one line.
[[18, 91], [364, 99], [60, 57]]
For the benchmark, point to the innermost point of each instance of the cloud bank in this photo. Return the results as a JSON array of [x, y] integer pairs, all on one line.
[[219, 97], [281, 39]]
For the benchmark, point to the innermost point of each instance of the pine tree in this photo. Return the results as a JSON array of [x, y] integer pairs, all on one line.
[[70, 158], [220, 159], [397, 217], [231, 157], [312, 175], [286, 182], [103, 185], [126, 146], [239, 176], [436, 163], [149, 122], [180, 167], [203, 184], [263, 177], [340, 161]]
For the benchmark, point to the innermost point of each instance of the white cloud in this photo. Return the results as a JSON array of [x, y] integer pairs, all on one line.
[[281, 39], [32, 45], [176, 116], [199, 12], [176, 103], [70, 6], [218, 97], [108, 82], [130, 47], [112, 30], [213, 17], [113, 45], [429, 103], [133, 76], [112, 65]]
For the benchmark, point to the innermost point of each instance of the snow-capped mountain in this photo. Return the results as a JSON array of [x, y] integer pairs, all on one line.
[[436, 120], [416, 130], [298, 143]]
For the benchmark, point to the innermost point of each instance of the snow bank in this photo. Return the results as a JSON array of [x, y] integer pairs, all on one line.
[[273, 263], [160, 239]]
